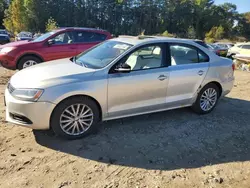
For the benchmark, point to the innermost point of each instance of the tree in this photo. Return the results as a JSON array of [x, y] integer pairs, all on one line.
[[16, 18], [3, 6], [184, 18], [243, 26], [216, 33], [219, 33], [51, 24]]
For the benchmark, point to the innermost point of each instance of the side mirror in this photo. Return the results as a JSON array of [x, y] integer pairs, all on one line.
[[123, 69], [51, 42]]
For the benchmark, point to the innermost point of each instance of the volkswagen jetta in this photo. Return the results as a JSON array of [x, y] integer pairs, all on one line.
[[118, 78]]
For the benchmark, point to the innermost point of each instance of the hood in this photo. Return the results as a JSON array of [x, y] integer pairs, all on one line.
[[15, 44], [50, 73]]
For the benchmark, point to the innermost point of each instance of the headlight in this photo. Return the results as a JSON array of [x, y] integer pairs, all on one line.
[[7, 50], [27, 94]]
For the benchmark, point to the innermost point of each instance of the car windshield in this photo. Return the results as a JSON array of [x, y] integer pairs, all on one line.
[[44, 36], [101, 55]]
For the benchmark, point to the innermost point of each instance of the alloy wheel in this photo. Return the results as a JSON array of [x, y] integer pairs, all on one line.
[[29, 63], [208, 99], [76, 119]]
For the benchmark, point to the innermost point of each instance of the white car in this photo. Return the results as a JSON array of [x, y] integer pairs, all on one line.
[[236, 49]]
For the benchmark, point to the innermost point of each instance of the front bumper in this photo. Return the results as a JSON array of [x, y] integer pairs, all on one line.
[[8, 61], [34, 115]]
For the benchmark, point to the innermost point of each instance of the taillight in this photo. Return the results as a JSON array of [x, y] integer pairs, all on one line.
[[218, 52], [233, 67]]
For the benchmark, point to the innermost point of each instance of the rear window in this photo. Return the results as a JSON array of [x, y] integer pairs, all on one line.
[[186, 54], [86, 36]]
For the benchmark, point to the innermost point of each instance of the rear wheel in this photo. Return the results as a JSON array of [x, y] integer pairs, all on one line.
[[207, 99], [28, 61], [75, 118]]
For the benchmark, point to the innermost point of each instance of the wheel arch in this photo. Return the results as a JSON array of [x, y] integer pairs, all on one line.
[[217, 84], [29, 54], [80, 95]]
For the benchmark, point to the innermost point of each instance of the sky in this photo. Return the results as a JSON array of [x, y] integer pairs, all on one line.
[[242, 5]]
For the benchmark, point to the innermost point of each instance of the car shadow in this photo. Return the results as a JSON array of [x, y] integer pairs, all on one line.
[[166, 140]]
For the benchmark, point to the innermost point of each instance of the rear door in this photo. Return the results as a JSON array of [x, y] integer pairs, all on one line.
[[87, 39], [62, 47], [188, 69]]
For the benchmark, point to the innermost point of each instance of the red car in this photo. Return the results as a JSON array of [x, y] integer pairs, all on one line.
[[57, 44]]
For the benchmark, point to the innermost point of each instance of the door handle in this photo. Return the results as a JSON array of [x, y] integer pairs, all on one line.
[[201, 72], [162, 77]]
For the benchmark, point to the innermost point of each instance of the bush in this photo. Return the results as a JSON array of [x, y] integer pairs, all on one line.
[[51, 24], [209, 40], [216, 33], [167, 34]]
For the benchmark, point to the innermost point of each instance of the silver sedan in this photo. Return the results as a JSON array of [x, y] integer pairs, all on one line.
[[118, 78]]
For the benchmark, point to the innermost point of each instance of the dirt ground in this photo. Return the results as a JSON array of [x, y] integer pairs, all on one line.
[[169, 149]]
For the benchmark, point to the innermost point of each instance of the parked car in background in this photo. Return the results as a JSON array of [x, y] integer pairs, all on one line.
[[4, 36], [200, 42], [224, 45], [57, 44], [119, 78], [24, 36], [211, 47], [220, 51], [237, 48], [36, 35]]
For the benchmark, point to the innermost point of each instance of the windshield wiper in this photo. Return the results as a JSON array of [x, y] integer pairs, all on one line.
[[73, 59]]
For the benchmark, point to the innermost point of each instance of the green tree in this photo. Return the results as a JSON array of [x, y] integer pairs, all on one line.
[[16, 17], [3, 6], [184, 18]]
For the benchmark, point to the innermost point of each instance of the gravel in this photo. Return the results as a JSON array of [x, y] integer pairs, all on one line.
[[168, 149]]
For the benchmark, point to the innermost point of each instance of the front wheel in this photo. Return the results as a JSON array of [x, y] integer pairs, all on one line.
[[28, 61], [207, 99], [75, 118]]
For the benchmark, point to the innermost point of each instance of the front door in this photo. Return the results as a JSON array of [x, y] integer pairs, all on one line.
[[188, 69], [144, 88], [63, 46]]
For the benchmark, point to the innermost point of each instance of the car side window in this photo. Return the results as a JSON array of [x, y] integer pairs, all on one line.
[[246, 47], [87, 36], [145, 58], [63, 38], [182, 54]]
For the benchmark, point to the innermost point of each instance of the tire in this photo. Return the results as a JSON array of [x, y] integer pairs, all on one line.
[[25, 59], [57, 118], [197, 105], [231, 56]]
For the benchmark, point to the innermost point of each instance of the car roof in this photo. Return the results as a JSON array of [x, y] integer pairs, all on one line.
[[243, 43], [224, 43], [136, 40], [80, 28]]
